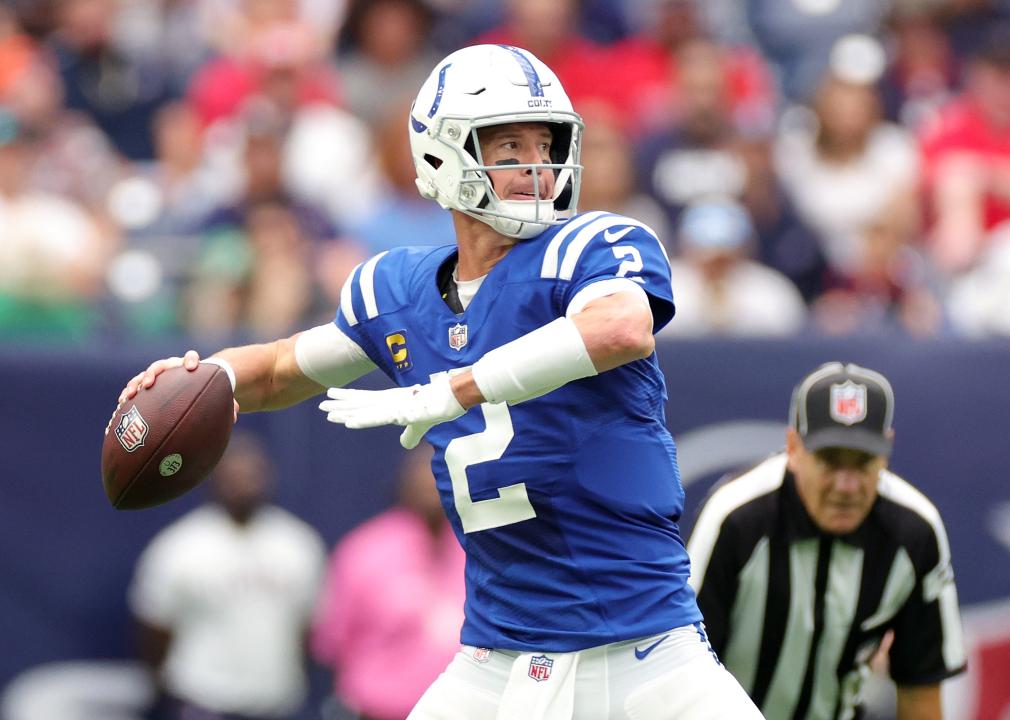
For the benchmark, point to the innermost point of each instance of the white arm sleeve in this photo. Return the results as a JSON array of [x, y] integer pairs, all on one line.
[[533, 364], [329, 357], [548, 357]]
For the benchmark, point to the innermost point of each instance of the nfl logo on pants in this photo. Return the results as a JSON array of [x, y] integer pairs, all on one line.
[[540, 667]]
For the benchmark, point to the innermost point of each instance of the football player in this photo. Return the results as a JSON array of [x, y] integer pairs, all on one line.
[[524, 353]]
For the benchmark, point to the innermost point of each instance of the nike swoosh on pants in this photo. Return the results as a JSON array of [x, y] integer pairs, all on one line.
[[640, 654]]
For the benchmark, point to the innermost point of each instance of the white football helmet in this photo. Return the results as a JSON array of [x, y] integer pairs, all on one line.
[[493, 85]]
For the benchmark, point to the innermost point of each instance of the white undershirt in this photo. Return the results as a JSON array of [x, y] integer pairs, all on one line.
[[466, 289]]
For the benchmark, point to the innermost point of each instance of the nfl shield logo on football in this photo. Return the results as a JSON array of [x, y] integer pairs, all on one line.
[[482, 655], [540, 667], [848, 402], [457, 336], [132, 430]]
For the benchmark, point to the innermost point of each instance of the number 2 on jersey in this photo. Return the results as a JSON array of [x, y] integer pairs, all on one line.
[[512, 504], [633, 265]]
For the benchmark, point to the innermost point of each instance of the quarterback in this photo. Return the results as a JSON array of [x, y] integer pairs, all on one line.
[[524, 353]]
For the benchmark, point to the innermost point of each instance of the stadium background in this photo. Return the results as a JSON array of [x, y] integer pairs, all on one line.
[[179, 173]]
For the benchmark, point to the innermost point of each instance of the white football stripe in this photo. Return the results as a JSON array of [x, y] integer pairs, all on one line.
[[587, 233], [938, 582], [346, 306], [761, 480], [549, 268], [367, 282]]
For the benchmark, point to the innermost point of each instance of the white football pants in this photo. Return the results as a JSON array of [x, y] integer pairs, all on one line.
[[669, 676]]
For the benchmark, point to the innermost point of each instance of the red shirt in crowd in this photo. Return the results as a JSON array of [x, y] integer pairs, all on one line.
[[961, 128]]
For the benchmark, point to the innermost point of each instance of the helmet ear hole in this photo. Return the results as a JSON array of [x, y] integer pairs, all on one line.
[[564, 197], [435, 162], [560, 142]]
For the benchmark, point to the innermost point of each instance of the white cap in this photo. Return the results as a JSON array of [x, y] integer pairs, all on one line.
[[858, 59]]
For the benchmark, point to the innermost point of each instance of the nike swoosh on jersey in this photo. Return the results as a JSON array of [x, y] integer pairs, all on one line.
[[612, 237], [640, 654]]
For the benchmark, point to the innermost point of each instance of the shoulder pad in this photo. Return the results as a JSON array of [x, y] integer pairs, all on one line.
[[381, 284], [566, 247]]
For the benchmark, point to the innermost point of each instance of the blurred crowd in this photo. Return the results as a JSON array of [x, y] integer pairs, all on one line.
[[218, 167]]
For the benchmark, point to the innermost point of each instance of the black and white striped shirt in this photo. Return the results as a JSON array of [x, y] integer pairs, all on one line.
[[796, 614]]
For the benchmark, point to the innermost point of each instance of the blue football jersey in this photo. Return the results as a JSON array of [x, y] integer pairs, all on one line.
[[566, 504]]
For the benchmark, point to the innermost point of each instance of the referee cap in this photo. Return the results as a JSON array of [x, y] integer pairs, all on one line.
[[844, 406]]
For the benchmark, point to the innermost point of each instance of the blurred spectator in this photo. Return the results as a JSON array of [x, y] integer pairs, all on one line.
[[255, 273], [120, 92], [224, 598], [603, 21], [282, 60], [37, 17], [644, 69], [161, 207], [696, 158], [894, 290], [73, 157], [231, 25], [923, 70], [327, 154], [797, 35], [966, 150], [967, 22], [550, 30], [17, 49], [389, 617], [402, 216], [170, 31], [384, 55], [978, 301], [255, 280], [173, 195], [718, 289], [784, 241], [848, 171], [52, 253], [329, 161], [608, 181], [456, 23]]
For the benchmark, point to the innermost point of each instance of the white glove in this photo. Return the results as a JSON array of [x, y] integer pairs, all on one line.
[[418, 407]]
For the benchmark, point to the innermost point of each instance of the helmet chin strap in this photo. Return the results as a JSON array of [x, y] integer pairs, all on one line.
[[527, 218], [510, 227]]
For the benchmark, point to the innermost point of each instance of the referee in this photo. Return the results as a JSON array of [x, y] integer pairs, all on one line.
[[803, 563]]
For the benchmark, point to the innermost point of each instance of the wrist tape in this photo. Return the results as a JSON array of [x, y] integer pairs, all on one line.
[[224, 365]]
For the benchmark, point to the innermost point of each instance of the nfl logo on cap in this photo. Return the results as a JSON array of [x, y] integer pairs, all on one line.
[[848, 402], [540, 667], [844, 406]]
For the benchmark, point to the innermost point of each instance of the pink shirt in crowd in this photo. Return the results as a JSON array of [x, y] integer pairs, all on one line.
[[389, 617]]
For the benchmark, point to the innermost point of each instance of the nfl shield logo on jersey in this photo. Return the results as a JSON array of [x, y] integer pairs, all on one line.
[[457, 336], [848, 402], [540, 667], [132, 430], [482, 655]]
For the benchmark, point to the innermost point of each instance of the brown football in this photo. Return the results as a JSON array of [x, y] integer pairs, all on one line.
[[167, 438]]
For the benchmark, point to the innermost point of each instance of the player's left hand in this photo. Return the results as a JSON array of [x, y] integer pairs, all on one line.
[[418, 407]]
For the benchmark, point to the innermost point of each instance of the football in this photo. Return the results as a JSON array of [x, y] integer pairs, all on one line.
[[167, 438]]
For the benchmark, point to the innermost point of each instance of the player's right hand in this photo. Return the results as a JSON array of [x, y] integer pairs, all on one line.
[[146, 378]]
